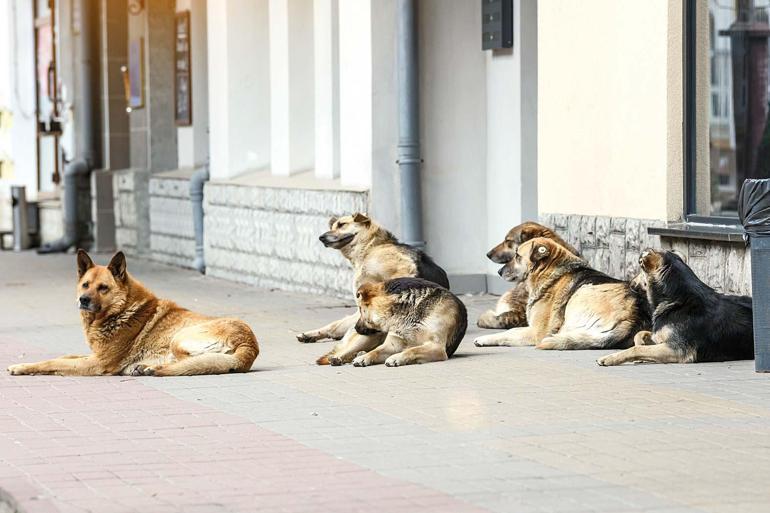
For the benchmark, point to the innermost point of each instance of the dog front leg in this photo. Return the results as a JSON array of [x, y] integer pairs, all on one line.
[[505, 320], [656, 353], [69, 365], [393, 344], [334, 330], [516, 337], [350, 345]]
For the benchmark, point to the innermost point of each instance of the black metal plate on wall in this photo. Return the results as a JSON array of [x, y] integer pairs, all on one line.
[[496, 24]]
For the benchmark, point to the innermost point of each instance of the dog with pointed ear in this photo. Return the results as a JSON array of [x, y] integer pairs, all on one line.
[[133, 332], [570, 305], [375, 255], [530, 256]]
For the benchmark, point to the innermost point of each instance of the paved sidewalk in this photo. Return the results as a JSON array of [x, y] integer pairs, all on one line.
[[493, 429]]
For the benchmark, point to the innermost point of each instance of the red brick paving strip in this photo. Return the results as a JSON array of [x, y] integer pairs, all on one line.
[[113, 444]]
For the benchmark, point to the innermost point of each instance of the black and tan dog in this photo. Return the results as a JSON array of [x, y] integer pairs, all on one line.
[[691, 322], [571, 305], [376, 256], [131, 331], [423, 322], [511, 308]]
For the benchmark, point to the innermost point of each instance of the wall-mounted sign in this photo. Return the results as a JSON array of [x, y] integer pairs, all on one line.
[[496, 24], [136, 73], [182, 71]]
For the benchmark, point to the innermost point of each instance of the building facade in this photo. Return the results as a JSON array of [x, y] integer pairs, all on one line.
[[623, 124]]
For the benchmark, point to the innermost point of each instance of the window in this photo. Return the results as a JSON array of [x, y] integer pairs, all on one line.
[[734, 140]]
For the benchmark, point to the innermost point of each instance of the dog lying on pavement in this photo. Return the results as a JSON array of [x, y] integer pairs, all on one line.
[[131, 331], [422, 322], [691, 322], [376, 256], [511, 308], [571, 305]]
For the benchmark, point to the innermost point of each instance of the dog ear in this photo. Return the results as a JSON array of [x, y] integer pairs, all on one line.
[[117, 266], [539, 252], [358, 217], [364, 293], [332, 220], [84, 262]]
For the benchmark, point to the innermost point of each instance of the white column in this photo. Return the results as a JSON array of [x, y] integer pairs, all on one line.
[[356, 93], [327, 91], [291, 86], [239, 86]]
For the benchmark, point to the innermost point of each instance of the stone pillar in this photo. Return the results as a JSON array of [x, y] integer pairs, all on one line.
[[153, 146], [291, 86], [327, 88], [238, 86]]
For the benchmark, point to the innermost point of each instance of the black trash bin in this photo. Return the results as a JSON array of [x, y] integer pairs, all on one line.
[[754, 213]]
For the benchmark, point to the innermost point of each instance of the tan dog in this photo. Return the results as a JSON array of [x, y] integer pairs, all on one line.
[[376, 256], [424, 322], [571, 305], [131, 331], [511, 308]]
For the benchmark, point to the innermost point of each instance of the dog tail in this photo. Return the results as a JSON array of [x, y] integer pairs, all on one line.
[[239, 360]]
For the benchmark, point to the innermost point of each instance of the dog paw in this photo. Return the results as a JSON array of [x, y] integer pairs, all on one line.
[[548, 344], [487, 320], [483, 342], [306, 338], [603, 361], [360, 360], [394, 361], [335, 361], [18, 369]]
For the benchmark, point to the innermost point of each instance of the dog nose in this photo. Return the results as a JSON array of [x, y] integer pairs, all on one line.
[[489, 253], [85, 300], [500, 271]]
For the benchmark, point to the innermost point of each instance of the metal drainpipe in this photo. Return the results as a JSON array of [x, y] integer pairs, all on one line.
[[409, 125], [198, 179]]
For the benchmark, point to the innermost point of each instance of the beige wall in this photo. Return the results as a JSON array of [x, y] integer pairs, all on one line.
[[610, 108]]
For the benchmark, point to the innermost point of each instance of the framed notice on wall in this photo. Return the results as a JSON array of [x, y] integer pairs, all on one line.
[[182, 79]]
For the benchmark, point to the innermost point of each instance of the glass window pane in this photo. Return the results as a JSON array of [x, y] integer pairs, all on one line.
[[739, 133]]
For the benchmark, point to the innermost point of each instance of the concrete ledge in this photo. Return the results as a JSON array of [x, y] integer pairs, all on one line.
[[172, 234], [268, 236]]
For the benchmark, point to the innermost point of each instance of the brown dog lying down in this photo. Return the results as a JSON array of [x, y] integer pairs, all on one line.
[[571, 305], [423, 322], [511, 308], [691, 322], [130, 331], [375, 255]]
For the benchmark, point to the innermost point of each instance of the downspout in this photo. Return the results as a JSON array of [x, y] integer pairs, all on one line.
[[77, 171], [409, 125], [197, 181]]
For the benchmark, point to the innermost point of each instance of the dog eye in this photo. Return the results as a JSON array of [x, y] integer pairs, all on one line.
[[340, 225], [103, 288], [85, 284]]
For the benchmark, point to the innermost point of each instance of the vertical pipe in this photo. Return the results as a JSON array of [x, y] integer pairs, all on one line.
[[409, 125], [197, 181]]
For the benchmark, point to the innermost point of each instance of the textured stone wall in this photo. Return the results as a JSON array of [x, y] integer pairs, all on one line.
[[132, 212], [613, 245], [172, 236], [268, 236]]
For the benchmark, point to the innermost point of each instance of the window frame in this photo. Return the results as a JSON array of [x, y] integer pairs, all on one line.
[[690, 135]]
